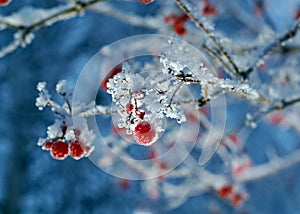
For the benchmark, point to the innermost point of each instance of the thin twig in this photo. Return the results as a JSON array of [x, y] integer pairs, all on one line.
[[280, 41], [209, 34]]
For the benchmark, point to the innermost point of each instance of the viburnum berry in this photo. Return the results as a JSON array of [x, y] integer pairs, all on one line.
[[144, 134], [163, 165], [76, 149], [4, 2], [129, 108], [276, 118], [47, 146], [152, 154], [237, 199], [297, 14], [177, 22], [124, 184], [225, 191], [140, 114], [88, 150], [77, 132], [146, 1], [59, 150], [209, 9], [111, 74], [143, 127], [234, 139]]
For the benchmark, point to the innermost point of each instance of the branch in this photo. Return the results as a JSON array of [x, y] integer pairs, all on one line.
[[25, 30], [210, 36], [280, 41], [274, 166], [282, 105]]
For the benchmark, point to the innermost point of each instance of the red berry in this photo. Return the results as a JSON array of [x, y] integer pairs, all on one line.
[[59, 150], [47, 145], [146, 1], [143, 127], [177, 22], [209, 9], [124, 184], [144, 134], [129, 108], [234, 138], [140, 114], [152, 154], [111, 74], [237, 199], [297, 15], [88, 150], [225, 191], [170, 18], [180, 30], [76, 149], [163, 165], [4, 2], [77, 132], [276, 118]]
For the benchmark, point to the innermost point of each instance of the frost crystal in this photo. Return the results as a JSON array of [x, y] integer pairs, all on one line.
[[44, 97], [62, 87], [41, 86], [54, 131]]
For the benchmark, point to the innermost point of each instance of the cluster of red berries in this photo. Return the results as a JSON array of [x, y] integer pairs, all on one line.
[[60, 149], [144, 132], [228, 192], [4, 2], [178, 22]]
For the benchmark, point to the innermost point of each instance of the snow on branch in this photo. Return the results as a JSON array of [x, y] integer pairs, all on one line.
[[29, 19], [186, 8]]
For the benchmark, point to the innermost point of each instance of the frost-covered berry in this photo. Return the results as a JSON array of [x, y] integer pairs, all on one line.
[[234, 139], [4, 2], [140, 114], [297, 14], [177, 22], [143, 127], [144, 134], [59, 150], [88, 150], [47, 146], [111, 74], [237, 199], [77, 132], [129, 108], [76, 149], [276, 118], [209, 9], [225, 191], [146, 1]]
